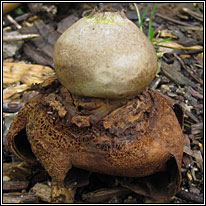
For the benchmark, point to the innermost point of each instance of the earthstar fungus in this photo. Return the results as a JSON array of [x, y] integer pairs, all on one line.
[[98, 114]]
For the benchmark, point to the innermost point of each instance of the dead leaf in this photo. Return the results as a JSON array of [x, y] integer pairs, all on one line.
[[198, 159], [185, 56], [168, 33], [175, 45]]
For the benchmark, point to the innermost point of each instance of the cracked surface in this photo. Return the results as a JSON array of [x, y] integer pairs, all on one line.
[[134, 138]]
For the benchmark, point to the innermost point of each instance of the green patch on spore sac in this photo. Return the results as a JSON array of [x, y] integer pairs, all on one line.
[[106, 18]]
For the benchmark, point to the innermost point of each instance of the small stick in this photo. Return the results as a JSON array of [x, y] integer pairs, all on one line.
[[158, 29], [23, 17], [192, 116], [174, 20], [193, 14], [11, 20], [187, 70], [19, 37], [195, 93]]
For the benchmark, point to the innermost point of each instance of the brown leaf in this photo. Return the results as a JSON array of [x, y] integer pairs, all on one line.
[[198, 159], [168, 33], [196, 154], [175, 45]]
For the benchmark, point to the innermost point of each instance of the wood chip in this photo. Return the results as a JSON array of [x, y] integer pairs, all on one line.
[[41, 51], [191, 115], [65, 23], [11, 93], [103, 195], [42, 191], [12, 186], [190, 197], [175, 76], [15, 72], [37, 56], [188, 71], [19, 198], [198, 126]]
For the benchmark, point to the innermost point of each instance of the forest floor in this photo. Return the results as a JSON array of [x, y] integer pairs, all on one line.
[[180, 76]]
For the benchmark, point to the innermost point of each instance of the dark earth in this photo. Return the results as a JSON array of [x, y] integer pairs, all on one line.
[[180, 77]]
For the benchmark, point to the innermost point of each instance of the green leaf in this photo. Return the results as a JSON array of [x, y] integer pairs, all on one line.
[[19, 11]]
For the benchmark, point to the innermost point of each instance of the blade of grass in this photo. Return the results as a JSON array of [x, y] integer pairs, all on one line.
[[138, 16], [164, 40], [141, 19], [143, 15], [153, 11], [187, 125], [151, 30]]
